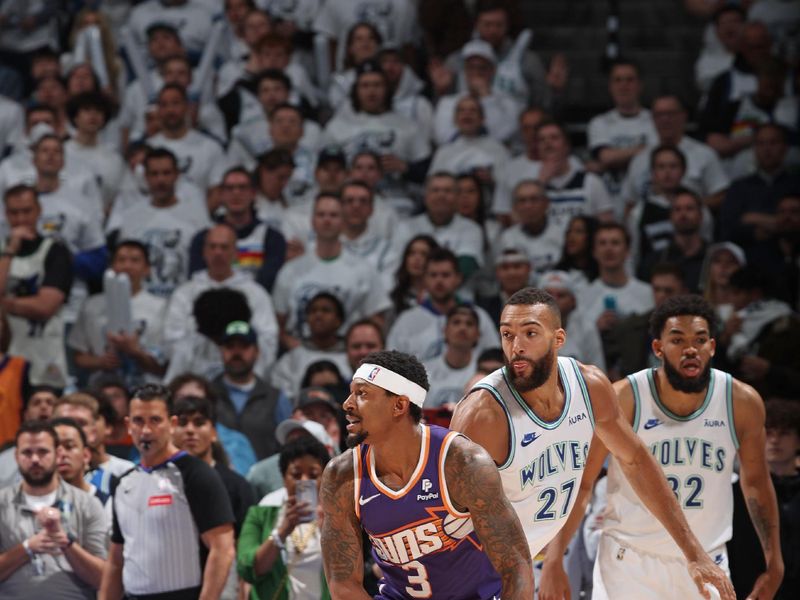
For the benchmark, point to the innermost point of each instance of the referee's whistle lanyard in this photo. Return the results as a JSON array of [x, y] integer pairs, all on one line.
[[160, 465]]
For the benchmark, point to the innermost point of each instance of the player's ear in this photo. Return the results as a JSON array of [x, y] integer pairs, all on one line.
[[559, 337], [713, 344], [401, 406], [658, 348]]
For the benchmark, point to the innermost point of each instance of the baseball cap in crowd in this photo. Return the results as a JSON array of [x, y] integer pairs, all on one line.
[[239, 330], [317, 395], [38, 132], [160, 26], [479, 48], [559, 280], [368, 66], [735, 250], [512, 256], [332, 153], [315, 429]]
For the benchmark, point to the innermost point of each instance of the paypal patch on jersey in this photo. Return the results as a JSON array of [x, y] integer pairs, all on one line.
[[422, 544]]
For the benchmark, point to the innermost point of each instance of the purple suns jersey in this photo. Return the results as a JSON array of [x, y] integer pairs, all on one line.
[[423, 545]]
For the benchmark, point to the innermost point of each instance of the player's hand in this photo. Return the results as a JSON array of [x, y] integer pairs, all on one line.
[[607, 320], [703, 571], [766, 586], [553, 584]]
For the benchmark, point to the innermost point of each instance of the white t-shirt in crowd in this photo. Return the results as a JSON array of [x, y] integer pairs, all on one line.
[[500, 115], [287, 374], [200, 158], [192, 20], [461, 235], [180, 322], [353, 281], [88, 334], [543, 250], [104, 162], [168, 233], [447, 383], [396, 20], [583, 340], [464, 155], [386, 133], [635, 297], [420, 331], [12, 119], [704, 171], [612, 129]]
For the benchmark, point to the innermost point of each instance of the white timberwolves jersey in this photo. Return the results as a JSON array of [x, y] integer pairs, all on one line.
[[545, 461], [696, 453]]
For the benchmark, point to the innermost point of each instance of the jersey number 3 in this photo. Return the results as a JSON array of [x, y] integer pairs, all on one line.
[[418, 584]]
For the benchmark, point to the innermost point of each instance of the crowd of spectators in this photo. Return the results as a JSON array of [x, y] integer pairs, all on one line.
[[240, 200]]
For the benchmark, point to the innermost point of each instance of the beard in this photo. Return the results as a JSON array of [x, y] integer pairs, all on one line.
[[354, 439], [687, 385], [37, 481], [540, 371]]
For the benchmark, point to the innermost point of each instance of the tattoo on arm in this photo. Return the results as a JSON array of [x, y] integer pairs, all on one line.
[[474, 484], [760, 517], [341, 533]]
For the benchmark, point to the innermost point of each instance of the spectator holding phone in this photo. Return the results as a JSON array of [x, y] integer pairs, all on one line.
[[279, 544]]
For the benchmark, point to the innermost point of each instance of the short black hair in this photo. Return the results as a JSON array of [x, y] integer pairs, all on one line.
[[668, 268], [153, 391], [613, 226], [337, 303], [18, 190], [530, 296], [175, 87], [493, 354], [366, 322], [241, 171], [320, 366], [441, 254], [286, 106], [782, 415], [89, 100], [403, 364], [726, 8], [136, 244], [625, 62], [680, 306], [749, 278], [300, 447], [70, 422], [214, 309], [104, 408], [157, 153], [668, 148], [275, 75], [36, 427], [685, 191], [189, 405], [274, 159], [463, 309]]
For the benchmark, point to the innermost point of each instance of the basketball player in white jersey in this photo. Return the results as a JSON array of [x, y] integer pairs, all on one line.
[[694, 419], [538, 417]]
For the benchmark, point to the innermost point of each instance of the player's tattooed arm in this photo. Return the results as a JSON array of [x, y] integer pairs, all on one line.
[[759, 494], [474, 485], [342, 555]]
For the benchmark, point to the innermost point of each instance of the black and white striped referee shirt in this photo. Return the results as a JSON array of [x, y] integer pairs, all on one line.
[[159, 514]]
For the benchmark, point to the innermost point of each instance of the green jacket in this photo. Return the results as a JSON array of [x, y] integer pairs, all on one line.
[[273, 585]]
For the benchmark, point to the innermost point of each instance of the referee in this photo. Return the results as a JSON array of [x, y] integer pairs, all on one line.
[[172, 533]]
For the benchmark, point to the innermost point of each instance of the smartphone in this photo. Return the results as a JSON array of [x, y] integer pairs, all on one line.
[[306, 492], [610, 302]]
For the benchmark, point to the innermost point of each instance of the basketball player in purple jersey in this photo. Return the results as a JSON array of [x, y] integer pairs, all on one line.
[[430, 500]]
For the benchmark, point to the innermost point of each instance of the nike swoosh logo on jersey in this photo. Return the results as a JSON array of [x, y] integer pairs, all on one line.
[[362, 501], [652, 423], [529, 438]]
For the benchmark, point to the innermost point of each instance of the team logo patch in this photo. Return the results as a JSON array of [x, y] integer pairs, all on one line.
[[163, 500], [374, 373]]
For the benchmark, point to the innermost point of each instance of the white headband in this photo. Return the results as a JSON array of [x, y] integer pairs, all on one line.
[[392, 382]]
